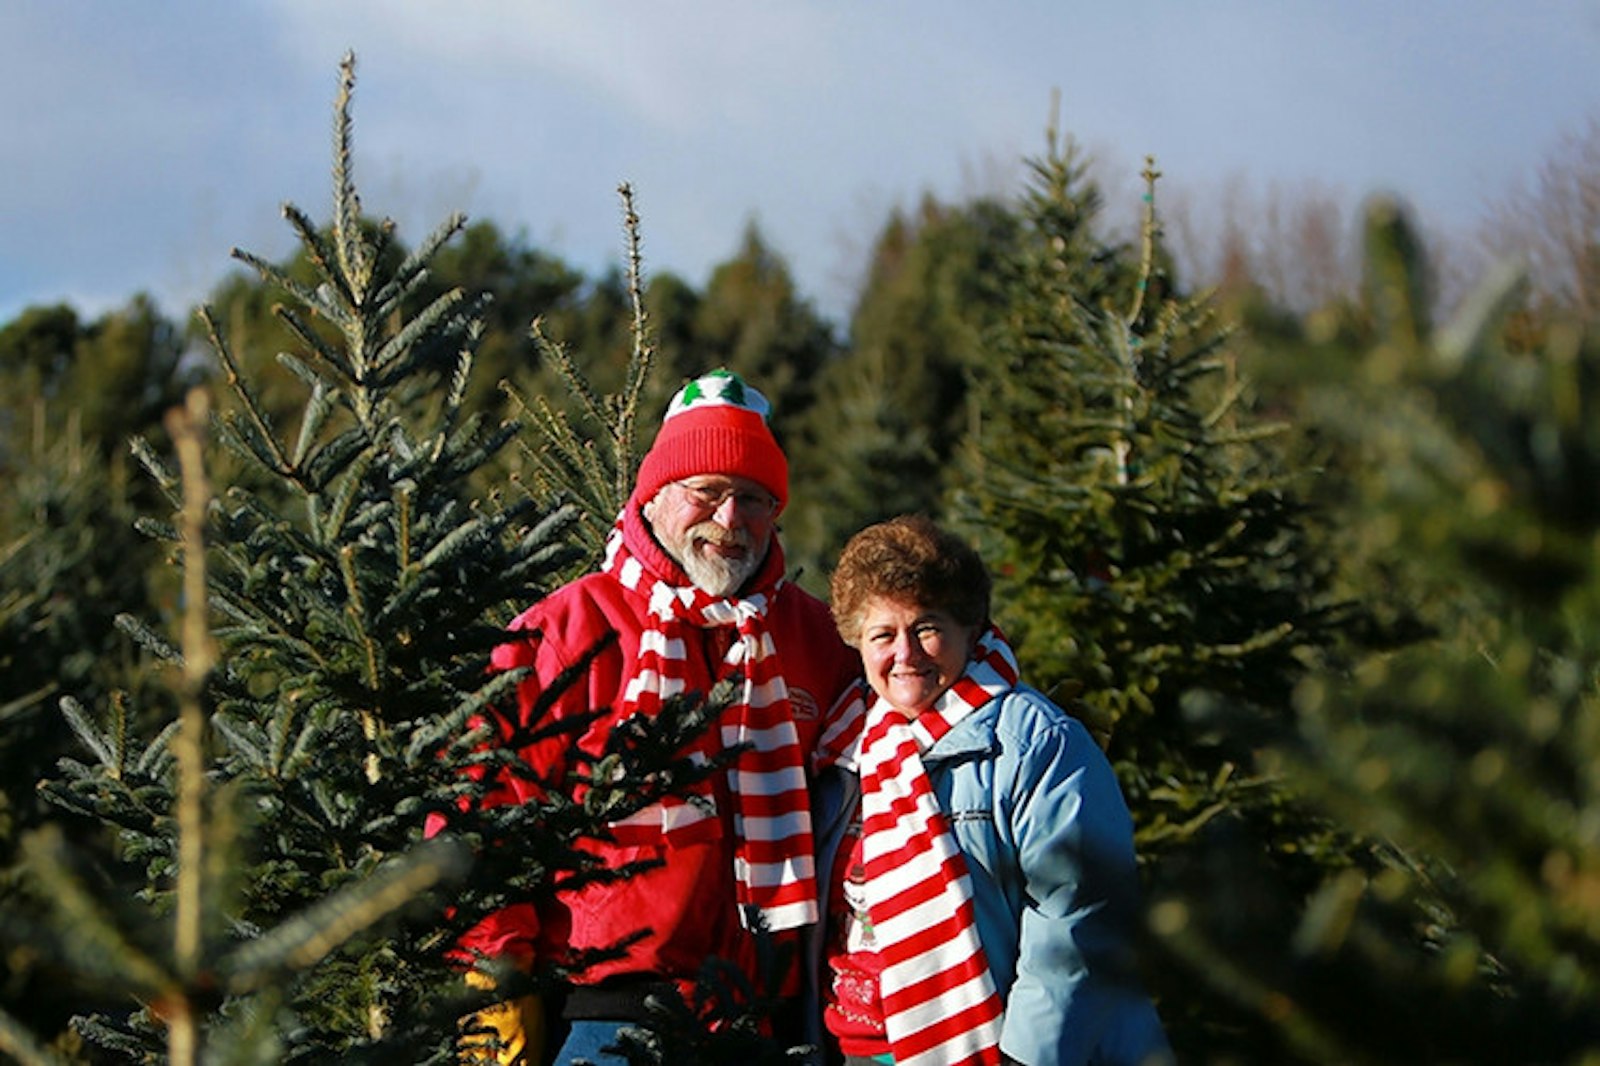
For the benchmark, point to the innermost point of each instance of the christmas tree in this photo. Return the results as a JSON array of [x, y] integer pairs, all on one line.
[[1468, 461], [1155, 568], [271, 897], [70, 562]]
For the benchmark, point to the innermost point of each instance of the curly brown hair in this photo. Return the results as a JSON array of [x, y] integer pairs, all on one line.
[[908, 559]]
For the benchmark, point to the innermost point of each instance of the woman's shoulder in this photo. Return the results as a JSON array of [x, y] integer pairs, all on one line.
[[1047, 753], [1027, 715], [1024, 703]]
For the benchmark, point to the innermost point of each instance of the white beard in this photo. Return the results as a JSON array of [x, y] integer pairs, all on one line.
[[716, 575]]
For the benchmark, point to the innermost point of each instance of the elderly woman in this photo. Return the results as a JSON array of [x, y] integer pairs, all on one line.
[[979, 854]]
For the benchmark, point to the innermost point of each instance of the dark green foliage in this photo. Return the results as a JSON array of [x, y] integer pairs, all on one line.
[[70, 559], [515, 282], [588, 446], [355, 588], [892, 411], [1472, 754], [681, 1031], [1153, 566], [1147, 549], [38, 345], [1220, 541], [753, 321], [522, 283], [71, 396], [94, 383]]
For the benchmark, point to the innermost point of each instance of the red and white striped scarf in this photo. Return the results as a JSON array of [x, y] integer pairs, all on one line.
[[774, 864], [940, 1004]]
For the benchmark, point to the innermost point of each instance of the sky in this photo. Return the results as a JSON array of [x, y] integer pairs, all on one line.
[[144, 140]]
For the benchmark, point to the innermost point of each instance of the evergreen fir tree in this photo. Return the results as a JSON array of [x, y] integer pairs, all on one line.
[[524, 281], [96, 383], [753, 320], [1471, 456], [892, 411], [70, 561], [1153, 567], [354, 591], [588, 450]]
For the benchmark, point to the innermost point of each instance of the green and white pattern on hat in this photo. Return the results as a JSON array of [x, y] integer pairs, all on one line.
[[716, 424], [719, 388]]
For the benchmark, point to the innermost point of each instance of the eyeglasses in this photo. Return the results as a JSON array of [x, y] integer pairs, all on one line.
[[749, 503]]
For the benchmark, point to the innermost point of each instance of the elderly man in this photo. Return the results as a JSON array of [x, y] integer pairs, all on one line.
[[693, 588]]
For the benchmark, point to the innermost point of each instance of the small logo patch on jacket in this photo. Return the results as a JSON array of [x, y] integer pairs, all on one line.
[[804, 705]]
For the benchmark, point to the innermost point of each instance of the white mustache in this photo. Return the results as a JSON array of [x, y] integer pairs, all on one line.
[[722, 538]]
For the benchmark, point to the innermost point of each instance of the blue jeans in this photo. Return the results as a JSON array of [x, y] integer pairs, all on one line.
[[585, 1039]]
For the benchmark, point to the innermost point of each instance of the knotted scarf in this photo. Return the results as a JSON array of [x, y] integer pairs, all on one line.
[[774, 865], [940, 1004]]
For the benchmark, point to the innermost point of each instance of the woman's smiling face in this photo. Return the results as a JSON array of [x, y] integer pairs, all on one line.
[[911, 654]]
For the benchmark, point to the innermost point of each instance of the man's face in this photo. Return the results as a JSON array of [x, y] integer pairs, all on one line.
[[717, 527]]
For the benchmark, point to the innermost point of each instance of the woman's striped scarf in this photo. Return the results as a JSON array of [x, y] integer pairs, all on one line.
[[774, 865], [940, 1004]]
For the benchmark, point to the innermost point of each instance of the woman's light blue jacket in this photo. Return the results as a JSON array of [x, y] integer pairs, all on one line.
[[1037, 811]]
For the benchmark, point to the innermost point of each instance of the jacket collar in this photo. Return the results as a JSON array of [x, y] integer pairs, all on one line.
[[973, 735]]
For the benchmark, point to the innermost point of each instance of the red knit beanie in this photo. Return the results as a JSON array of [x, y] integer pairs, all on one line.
[[716, 424]]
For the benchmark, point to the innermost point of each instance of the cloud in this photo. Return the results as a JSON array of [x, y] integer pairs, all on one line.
[[156, 136]]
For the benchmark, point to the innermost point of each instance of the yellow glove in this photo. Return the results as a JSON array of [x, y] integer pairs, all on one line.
[[518, 1023]]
